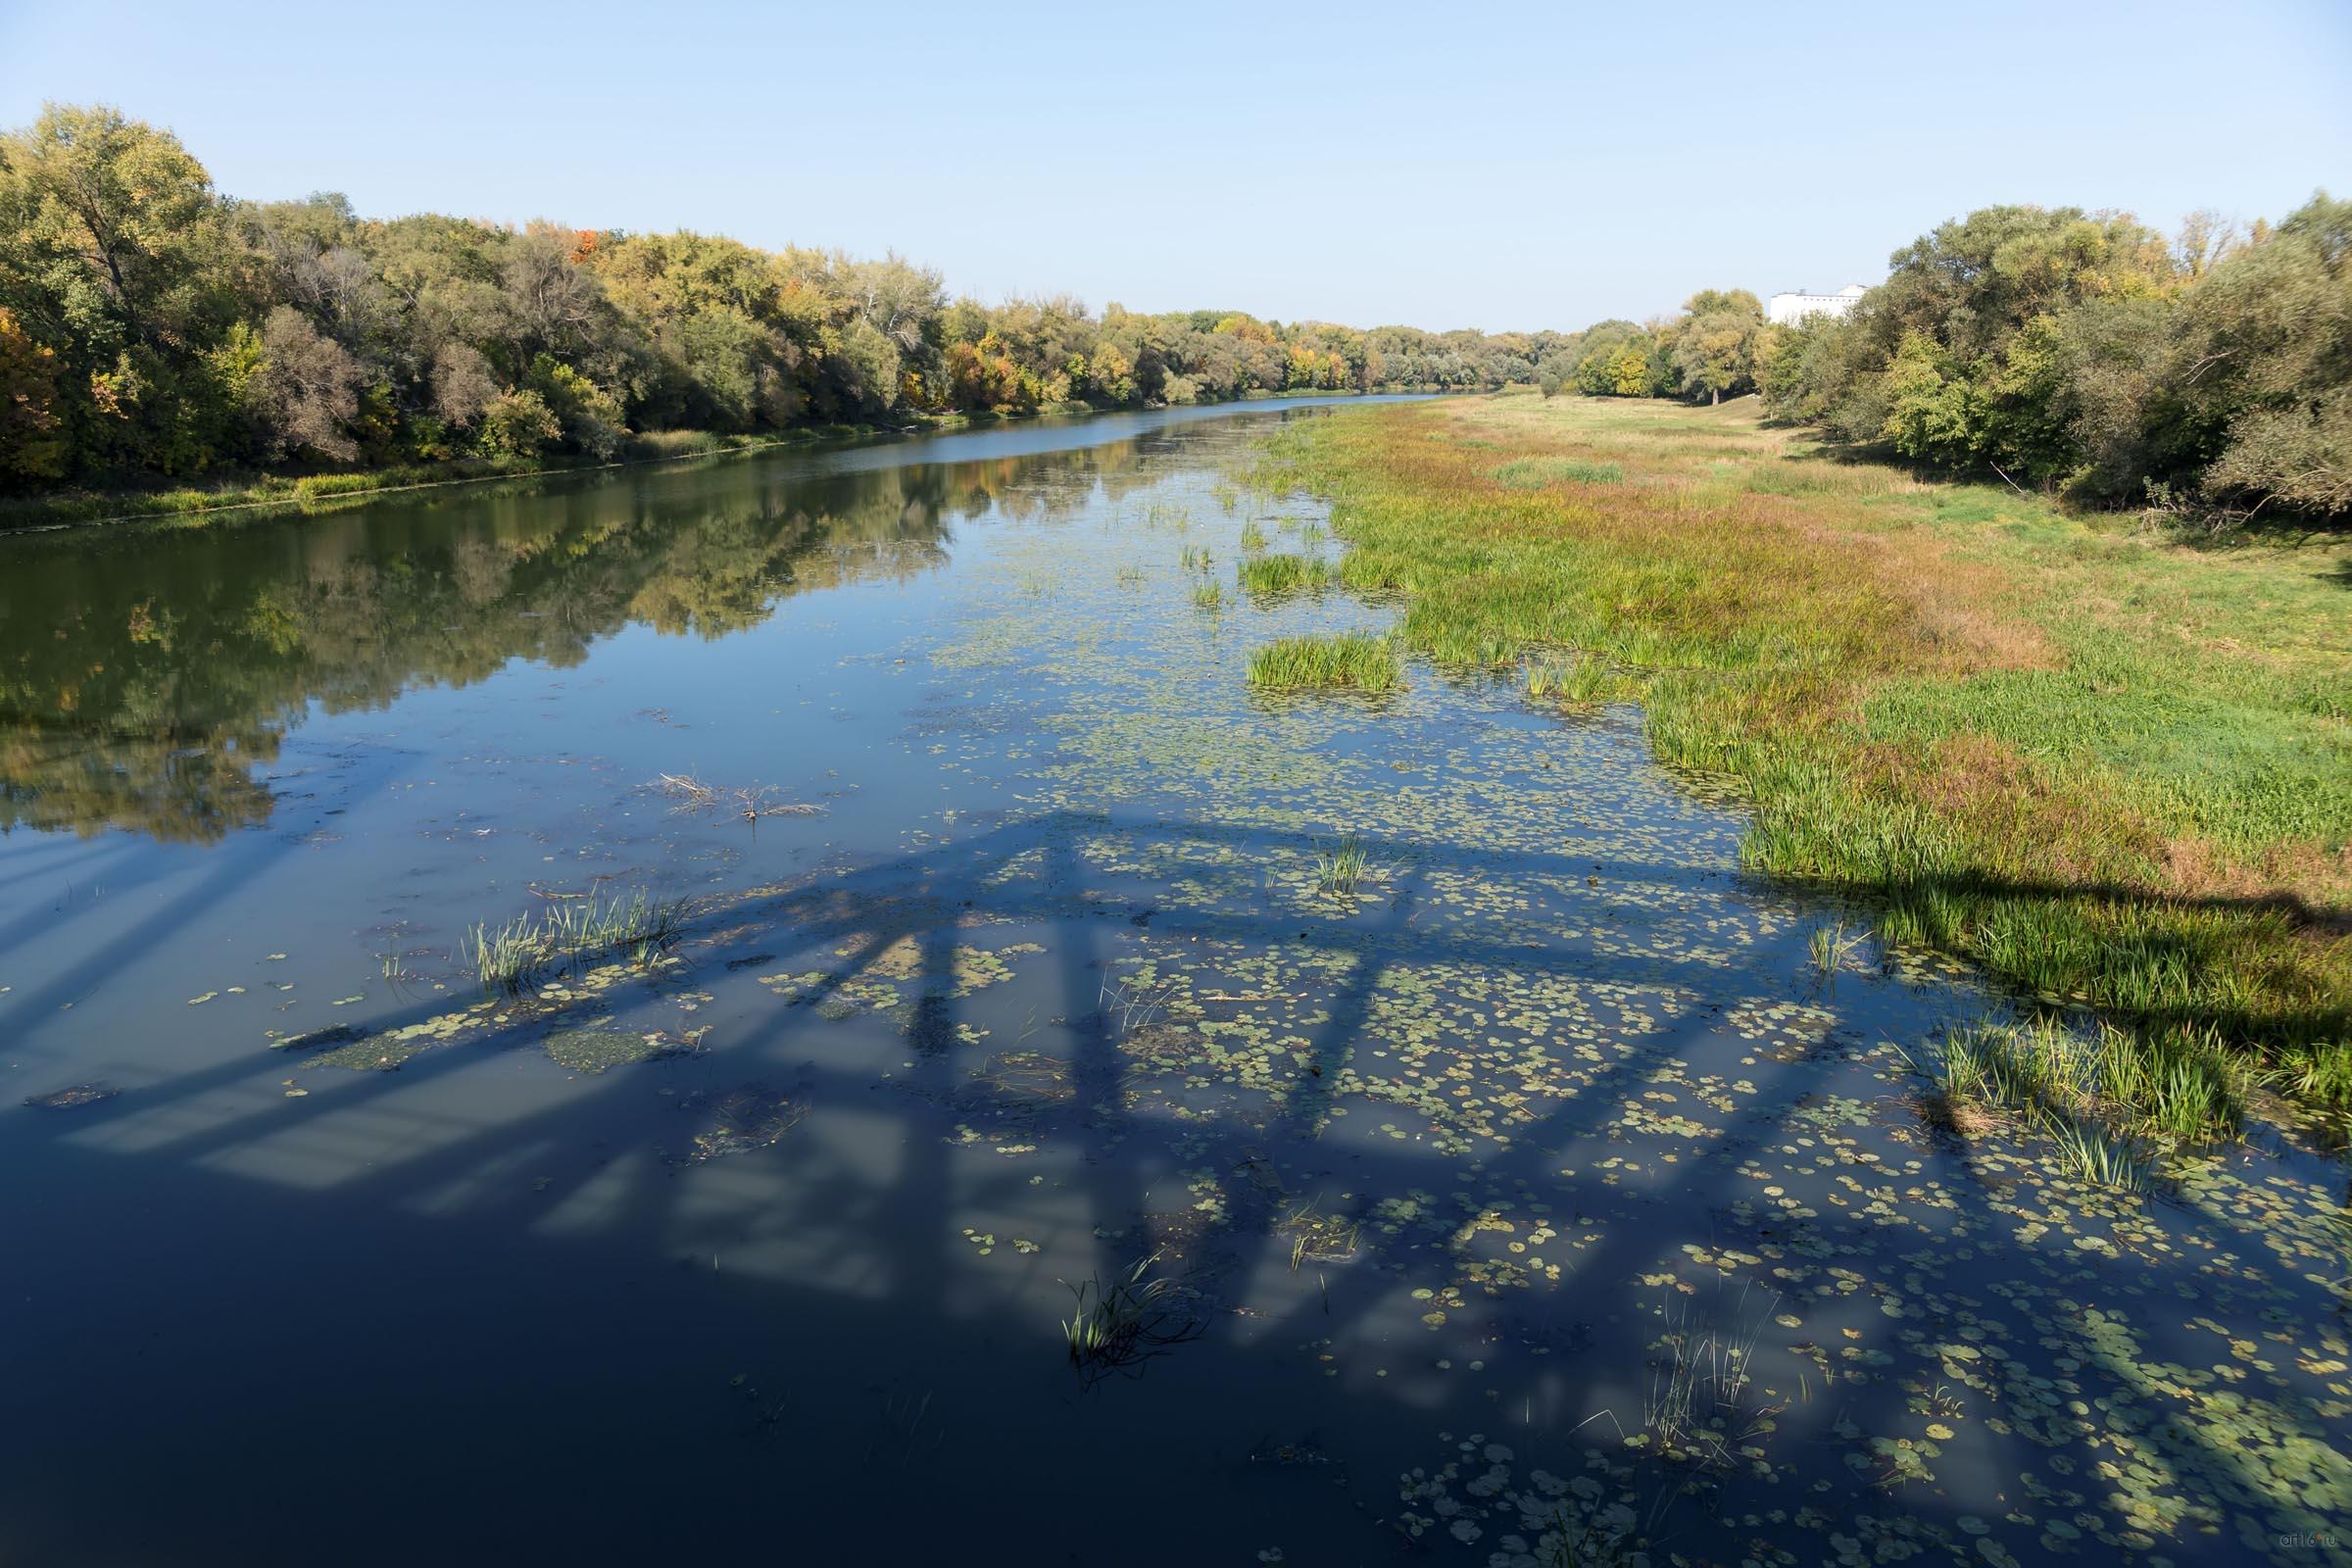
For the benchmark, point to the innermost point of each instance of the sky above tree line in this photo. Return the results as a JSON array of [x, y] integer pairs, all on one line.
[[1498, 167]]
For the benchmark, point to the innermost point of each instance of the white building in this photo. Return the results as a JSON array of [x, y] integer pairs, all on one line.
[[1790, 308]]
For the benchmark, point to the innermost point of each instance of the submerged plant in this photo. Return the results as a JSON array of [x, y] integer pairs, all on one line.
[[1350, 662], [1120, 1323]]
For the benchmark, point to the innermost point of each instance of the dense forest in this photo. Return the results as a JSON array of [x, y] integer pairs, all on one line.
[[151, 326], [2068, 351]]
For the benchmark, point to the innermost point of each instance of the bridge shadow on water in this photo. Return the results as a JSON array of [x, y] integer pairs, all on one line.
[[479, 1310]]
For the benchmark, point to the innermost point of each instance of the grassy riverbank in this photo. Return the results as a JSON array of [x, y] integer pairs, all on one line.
[[2112, 767]]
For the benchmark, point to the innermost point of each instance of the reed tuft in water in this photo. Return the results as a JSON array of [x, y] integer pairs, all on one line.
[[1350, 662], [566, 937]]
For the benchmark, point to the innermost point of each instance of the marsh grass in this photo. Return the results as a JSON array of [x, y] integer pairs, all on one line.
[[1340, 868], [566, 937], [1700, 1408], [1133, 1001], [1119, 1324], [1282, 574], [2109, 768], [1570, 677], [1350, 662], [1534, 473], [1208, 595], [1833, 947], [1253, 537], [2180, 1087]]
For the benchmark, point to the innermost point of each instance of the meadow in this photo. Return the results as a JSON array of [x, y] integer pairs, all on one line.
[[2105, 761]]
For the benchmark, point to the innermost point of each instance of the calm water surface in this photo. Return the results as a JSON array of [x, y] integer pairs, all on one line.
[[317, 1252]]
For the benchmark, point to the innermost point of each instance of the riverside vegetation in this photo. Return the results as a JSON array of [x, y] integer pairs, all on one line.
[[202, 349], [2109, 765]]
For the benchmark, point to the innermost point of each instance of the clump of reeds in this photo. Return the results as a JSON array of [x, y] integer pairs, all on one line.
[[1208, 595], [1350, 662], [1699, 1408], [1341, 867], [1834, 945], [1284, 574], [568, 936], [1253, 537], [1122, 1322]]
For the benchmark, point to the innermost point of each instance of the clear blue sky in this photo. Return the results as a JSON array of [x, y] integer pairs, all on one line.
[[1467, 165]]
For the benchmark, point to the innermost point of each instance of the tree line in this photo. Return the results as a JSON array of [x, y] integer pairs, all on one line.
[[2079, 353], [2086, 354], [151, 326]]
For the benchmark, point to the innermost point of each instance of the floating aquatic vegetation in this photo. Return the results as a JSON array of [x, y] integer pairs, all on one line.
[[1350, 662], [341, 1033], [600, 1050], [72, 1098], [1121, 1323], [745, 1119], [1320, 1238]]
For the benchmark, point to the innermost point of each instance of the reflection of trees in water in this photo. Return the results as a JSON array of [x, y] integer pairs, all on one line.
[[143, 677]]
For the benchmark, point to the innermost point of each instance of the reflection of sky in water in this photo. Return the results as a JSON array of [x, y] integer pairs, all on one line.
[[765, 1245]]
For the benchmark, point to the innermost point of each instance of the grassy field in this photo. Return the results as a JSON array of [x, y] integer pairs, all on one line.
[[2111, 766]]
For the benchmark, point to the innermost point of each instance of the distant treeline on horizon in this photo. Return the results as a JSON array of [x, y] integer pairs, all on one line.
[[152, 328]]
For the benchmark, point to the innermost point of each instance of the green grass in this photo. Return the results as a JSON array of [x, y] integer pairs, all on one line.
[[565, 937], [2111, 767], [1208, 595], [1283, 573], [1350, 662], [2179, 1088], [1576, 678], [1534, 473], [1253, 537]]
